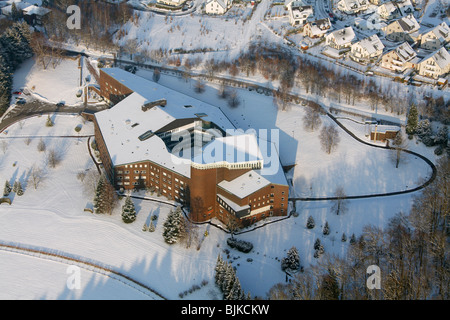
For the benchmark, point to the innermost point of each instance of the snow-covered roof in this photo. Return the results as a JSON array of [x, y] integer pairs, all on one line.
[[381, 128], [371, 44], [343, 36], [122, 125], [405, 52], [222, 3], [40, 11], [19, 5], [240, 148], [441, 31], [320, 26], [409, 24], [441, 57], [252, 181]]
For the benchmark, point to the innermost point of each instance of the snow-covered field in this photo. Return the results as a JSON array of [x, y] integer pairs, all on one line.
[[59, 84]]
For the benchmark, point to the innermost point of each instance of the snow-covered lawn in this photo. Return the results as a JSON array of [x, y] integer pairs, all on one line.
[[59, 84]]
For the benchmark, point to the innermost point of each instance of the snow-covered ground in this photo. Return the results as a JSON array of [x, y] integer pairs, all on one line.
[[52, 217], [59, 84]]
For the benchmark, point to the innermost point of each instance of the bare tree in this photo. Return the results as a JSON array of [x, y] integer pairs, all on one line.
[[199, 86], [36, 175], [4, 146], [311, 120], [233, 99], [90, 181], [53, 158], [41, 146], [110, 197], [398, 144], [340, 205], [329, 138]]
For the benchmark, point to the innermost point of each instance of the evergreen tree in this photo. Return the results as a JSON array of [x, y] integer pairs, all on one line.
[[412, 121], [219, 271], [326, 229], [292, 261], [344, 237], [128, 210], [19, 191], [151, 226], [229, 279], [7, 190], [49, 122], [236, 290], [15, 14], [442, 136], [174, 226], [353, 239], [317, 244], [310, 223], [318, 248], [98, 198]]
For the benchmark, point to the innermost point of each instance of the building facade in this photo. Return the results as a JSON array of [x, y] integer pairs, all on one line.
[[135, 139]]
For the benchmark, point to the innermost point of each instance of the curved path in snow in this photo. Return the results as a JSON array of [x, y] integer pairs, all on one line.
[[420, 187], [90, 265]]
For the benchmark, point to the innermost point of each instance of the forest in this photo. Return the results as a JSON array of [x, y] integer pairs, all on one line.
[[412, 252], [14, 49]]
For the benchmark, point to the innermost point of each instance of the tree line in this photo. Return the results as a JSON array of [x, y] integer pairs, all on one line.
[[14, 49], [412, 253]]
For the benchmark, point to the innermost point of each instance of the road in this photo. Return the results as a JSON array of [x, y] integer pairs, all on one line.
[[35, 106]]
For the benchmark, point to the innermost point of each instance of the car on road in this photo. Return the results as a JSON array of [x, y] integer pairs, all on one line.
[[21, 101], [60, 104], [17, 92]]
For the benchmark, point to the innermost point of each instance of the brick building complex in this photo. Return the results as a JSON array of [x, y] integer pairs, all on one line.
[[186, 150]]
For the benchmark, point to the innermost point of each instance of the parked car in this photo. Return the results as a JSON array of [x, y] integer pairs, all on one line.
[[21, 101], [60, 104]]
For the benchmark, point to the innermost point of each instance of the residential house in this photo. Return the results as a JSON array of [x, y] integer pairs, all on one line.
[[367, 49], [171, 3], [218, 6], [389, 11], [6, 10], [341, 39], [435, 65], [435, 38], [35, 15], [353, 6], [403, 29], [383, 132], [377, 2], [400, 58], [317, 28], [405, 6], [299, 13]]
